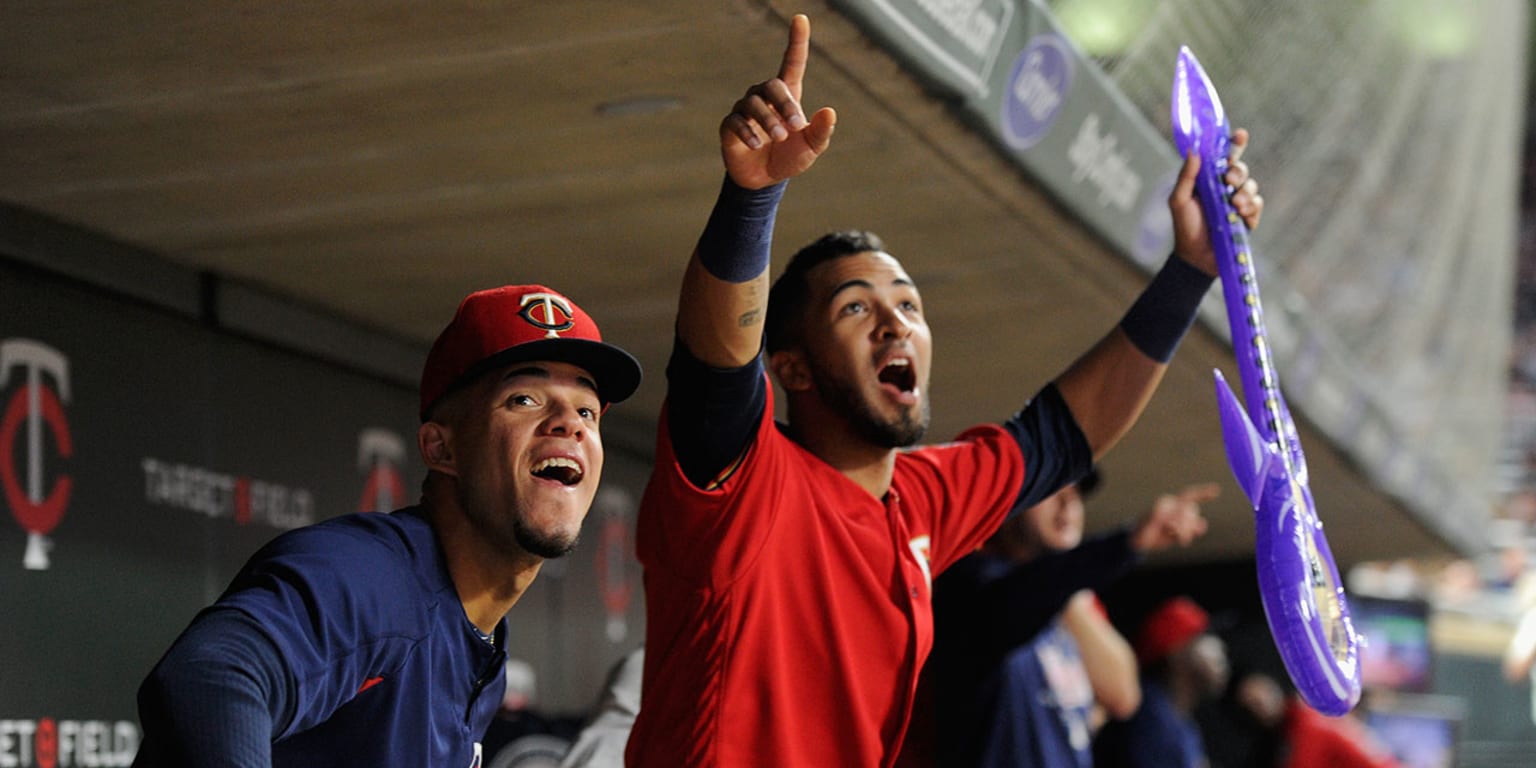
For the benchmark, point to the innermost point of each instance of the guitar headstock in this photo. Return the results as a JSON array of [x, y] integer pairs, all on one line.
[[1199, 122]]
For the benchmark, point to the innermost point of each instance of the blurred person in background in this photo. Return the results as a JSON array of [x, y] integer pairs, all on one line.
[[1183, 665], [601, 742], [1296, 736], [1026, 665]]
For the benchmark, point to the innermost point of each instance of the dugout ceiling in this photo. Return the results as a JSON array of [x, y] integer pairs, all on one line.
[[379, 160]]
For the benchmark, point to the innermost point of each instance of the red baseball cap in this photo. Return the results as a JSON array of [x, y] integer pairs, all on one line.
[[1170, 627], [516, 323]]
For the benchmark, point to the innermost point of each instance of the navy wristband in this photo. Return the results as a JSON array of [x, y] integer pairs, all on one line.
[[1163, 313], [734, 245]]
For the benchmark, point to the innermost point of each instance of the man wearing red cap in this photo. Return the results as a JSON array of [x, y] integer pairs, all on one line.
[[378, 639], [1182, 666]]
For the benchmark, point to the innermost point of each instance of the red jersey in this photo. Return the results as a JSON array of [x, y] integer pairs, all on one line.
[[1313, 739], [788, 611]]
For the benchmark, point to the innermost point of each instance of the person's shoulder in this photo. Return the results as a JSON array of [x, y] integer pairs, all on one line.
[[969, 439], [371, 558], [362, 539], [363, 573], [360, 529], [981, 444]]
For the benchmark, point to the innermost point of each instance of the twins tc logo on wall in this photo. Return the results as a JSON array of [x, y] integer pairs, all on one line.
[[380, 452], [615, 509], [34, 408]]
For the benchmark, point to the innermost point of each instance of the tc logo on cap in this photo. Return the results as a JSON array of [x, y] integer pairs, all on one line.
[[547, 311]]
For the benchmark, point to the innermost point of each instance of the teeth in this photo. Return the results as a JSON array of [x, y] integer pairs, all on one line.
[[900, 361], [561, 469], [557, 461]]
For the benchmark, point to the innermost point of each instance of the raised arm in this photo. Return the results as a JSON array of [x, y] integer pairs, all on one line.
[[1174, 519], [764, 141], [716, 388], [1107, 388], [1107, 656]]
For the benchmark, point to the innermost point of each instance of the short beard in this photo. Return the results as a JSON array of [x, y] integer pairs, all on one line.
[[546, 546], [510, 536], [902, 432]]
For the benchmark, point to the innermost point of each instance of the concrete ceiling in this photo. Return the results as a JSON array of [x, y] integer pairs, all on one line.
[[380, 160]]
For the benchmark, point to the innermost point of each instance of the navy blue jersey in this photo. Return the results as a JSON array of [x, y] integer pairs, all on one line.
[[1042, 707], [988, 610], [340, 644], [1157, 736]]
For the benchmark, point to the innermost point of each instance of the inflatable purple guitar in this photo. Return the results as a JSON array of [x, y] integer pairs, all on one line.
[[1303, 596]]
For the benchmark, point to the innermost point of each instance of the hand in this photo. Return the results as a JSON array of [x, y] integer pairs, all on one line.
[[1082, 603], [766, 137], [1191, 238], [1174, 519]]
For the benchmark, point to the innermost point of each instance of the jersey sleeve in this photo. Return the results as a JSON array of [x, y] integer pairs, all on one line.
[[1055, 451], [712, 413], [214, 698], [959, 492], [706, 534], [991, 472], [309, 619], [341, 606]]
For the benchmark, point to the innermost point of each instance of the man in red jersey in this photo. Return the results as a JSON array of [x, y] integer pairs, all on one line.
[[788, 567]]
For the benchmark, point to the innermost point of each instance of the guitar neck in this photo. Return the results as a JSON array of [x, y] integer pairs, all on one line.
[[1245, 314]]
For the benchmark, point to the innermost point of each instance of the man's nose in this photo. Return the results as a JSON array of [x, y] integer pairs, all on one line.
[[564, 418], [892, 323]]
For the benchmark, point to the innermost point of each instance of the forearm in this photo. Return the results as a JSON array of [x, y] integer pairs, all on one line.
[[1107, 388], [725, 289], [1110, 662], [217, 698]]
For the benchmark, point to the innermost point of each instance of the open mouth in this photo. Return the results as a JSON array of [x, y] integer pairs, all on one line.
[[560, 469], [898, 373]]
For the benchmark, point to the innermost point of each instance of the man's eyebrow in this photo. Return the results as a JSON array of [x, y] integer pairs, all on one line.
[[854, 283], [540, 372], [859, 282]]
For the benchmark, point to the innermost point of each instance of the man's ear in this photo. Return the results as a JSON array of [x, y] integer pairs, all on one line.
[[788, 366], [435, 441]]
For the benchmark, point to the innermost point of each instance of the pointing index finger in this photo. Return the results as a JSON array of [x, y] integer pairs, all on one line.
[[1201, 493], [792, 70]]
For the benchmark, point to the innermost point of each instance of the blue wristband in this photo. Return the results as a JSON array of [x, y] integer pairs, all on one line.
[[1163, 313], [735, 242]]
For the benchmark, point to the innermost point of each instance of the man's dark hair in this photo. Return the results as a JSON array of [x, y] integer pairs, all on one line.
[[791, 292]]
